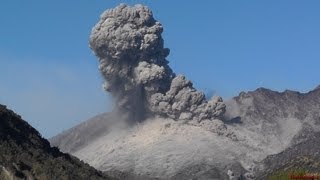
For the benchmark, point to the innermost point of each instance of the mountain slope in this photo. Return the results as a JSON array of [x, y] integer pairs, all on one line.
[[286, 120], [24, 154], [290, 117], [88, 131], [265, 123], [302, 156], [80, 135]]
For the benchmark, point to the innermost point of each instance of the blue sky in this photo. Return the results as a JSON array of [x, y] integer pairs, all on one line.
[[49, 75]]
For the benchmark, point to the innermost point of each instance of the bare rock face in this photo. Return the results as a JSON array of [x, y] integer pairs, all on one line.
[[289, 121], [291, 115], [302, 156], [128, 42]]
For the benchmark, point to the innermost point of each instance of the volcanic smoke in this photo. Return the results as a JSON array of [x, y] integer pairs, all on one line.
[[127, 41]]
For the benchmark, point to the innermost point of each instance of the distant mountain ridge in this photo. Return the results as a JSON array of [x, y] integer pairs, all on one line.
[[266, 105], [81, 135], [273, 110], [273, 121], [24, 154]]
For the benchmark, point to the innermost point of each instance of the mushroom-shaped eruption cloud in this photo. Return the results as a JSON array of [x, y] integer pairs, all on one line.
[[127, 40]]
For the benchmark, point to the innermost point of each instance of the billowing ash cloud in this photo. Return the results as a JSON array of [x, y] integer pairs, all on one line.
[[127, 41]]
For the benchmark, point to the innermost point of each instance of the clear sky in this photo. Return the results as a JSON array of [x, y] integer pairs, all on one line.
[[49, 75]]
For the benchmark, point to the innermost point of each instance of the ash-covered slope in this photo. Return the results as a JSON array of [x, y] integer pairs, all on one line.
[[283, 118], [24, 154], [81, 135], [264, 121], [289, 118], [303, 156]]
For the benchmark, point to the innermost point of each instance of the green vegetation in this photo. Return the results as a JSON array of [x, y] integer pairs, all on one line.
[[285, 174], [297, 167]]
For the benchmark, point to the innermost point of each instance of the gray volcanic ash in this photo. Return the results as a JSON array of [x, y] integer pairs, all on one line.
[[127, 41], [174, 132]]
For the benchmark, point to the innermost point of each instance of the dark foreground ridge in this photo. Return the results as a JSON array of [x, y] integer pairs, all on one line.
[[24, 154]]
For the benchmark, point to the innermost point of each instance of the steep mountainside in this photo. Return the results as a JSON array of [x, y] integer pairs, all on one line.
[[24, 154], [303, 156], [265, 123], [284, 118], [80, 135], [86, 132]]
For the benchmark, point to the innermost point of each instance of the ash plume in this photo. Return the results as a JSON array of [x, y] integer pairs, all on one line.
[[128, 42]]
